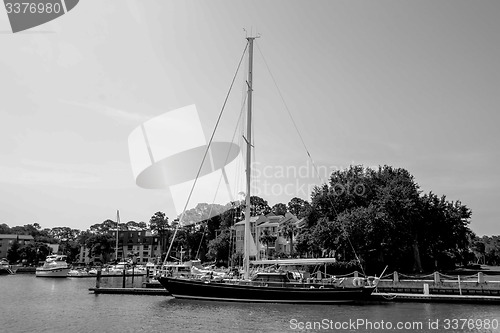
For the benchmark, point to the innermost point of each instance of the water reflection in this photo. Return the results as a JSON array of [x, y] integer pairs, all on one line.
[[30, 304]]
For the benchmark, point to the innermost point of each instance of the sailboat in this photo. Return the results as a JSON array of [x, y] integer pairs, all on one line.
[[273, 286]]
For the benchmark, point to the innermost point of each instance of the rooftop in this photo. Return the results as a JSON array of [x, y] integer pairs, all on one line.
[[14, 236]]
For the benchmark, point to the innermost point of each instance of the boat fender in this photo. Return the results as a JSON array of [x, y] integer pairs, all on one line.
[[357, 282], [321, 287], [371, 280]]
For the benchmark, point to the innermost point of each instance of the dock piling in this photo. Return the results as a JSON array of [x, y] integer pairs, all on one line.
[[98, 279]]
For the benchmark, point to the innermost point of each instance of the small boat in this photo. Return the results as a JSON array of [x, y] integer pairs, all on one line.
[[5, 268], [78, 273], [54, 266], [178, 269], [127, 266]]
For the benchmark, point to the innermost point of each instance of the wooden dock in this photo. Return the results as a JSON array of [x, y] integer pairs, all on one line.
[[433, 298], [131, 291], [376, 297]]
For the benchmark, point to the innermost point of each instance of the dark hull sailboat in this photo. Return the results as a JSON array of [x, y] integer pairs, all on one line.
[[275, 287], [248, 291]]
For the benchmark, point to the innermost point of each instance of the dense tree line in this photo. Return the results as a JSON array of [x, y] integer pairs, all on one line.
[[380, 217], [32, 253], [362, 216], [486, 250]]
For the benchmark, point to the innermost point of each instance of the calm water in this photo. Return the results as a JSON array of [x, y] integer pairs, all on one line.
[[30, 304]]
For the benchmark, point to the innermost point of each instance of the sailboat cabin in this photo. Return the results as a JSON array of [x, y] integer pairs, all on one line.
[[273, 277]]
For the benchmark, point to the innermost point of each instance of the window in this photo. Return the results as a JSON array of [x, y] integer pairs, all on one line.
[[130, 248]]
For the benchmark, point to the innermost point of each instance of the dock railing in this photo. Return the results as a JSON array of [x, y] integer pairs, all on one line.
[[441, 283]]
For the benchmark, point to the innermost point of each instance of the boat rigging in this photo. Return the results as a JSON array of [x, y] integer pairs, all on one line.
[[278, 286]]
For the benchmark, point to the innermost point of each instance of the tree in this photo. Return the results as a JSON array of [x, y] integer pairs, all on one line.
[[479, 249], [298, 207], [306, 243], [195, 239], [327, 235], [202, 212], [279, 209], [4, 229], [71, 249], [104, 227], [32, 253], [63, 234], [218, 248], [159, 225], [382, 216], [13, 255], [289, 230], [266, 238], [101, 245], [492, 250], [136, 226], [443, 231], [230, 216], [258, 206]]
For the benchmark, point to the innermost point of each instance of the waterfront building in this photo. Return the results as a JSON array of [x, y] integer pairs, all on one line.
[[6, 241], [139, 245], [258, 224]]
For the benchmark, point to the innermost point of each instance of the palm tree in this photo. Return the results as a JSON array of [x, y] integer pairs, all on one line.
[[289, 230], [266, 237]]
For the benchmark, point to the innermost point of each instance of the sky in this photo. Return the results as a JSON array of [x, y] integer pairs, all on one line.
[[411, 84]]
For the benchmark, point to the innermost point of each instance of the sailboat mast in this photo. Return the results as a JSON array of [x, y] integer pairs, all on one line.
[[248, 234], [117, 223]]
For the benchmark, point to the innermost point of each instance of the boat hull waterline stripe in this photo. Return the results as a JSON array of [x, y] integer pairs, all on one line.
[[261, 300]]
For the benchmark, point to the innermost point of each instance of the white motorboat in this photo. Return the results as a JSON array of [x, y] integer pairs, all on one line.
[[5, 268], [54, 266]]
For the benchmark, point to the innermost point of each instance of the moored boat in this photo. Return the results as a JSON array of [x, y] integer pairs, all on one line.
[[54, 266], [78, 273], [275, 287], [268, 287], [5, 268]]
